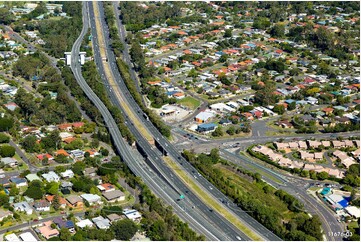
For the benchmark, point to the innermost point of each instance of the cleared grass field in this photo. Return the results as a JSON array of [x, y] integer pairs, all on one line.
[[189, 102], [245, 187], [206, 198]]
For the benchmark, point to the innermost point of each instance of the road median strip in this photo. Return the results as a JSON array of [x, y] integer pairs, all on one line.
[[207, 199], [112, 82]]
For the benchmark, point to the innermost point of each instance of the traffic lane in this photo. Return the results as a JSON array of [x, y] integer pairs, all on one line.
[[114, 68], [154, 157]]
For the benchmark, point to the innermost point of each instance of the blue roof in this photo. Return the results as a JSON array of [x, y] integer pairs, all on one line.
[[251, 45], [210, 125], [325, 191], [171, 92], [17, 180], [290, 101], [343, 203]]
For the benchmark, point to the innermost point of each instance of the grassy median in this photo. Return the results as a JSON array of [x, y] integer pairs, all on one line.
[[112, 82], [207, 199]]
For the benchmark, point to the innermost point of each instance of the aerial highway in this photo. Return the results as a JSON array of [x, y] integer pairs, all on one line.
[[133, 159], [153, 157], [205, 185], [171, 150]]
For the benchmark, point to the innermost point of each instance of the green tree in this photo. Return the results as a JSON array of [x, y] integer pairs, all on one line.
[[56, 202], [7, 151], [35, 190], [214, 154], [280, 109], [6, 124], [278, 30], [26, 102], [4, 199], [65, 234], [4, 138], [228, 33], [218, 132], [265, 95], [52, 188], [29, 144], [291, 106], [52, 141], [261, 23], [14, 191], [6, 17], [231, 130], [322, 175], [124, 229], [94, 143]]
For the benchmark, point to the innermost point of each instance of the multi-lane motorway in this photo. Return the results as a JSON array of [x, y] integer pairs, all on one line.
[[153, 157], [292, 184], [194, 217], [217, 195]]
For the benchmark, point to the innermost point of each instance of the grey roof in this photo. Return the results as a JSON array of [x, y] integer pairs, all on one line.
[[41, 204], [114, 217], [72, 199], [4, 213], [101, 223], [113, 194], [22, 206], [8, 160]]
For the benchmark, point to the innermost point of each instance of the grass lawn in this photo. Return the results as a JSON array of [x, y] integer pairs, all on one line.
[[314, 189], [210, 201], [246, 187], [280, 133], [189, 102], [353, 224]]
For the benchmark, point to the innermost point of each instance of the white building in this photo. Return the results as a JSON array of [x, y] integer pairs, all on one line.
[[11, 237], [132, 214], [27, 236], [67, 174], [84, 223], [51, 176]]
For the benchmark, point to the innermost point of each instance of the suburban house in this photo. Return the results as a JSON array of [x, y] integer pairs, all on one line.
[[67, 174], [19, 182], [9, 161], [4, 214], [42, 206], [114, 196], [62, 200], [75, 201], [91, 198], [132, 214], [84, 223], [101, 223], [68, 224], [32, 177], [51, 176], [47, 231], [23, 207]]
